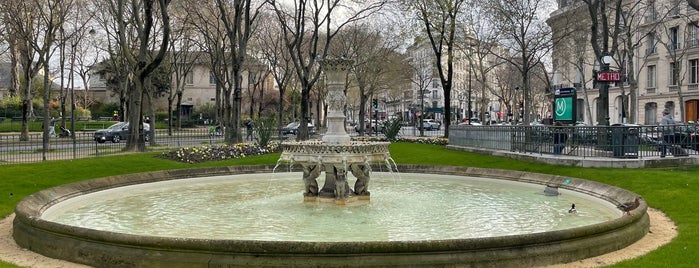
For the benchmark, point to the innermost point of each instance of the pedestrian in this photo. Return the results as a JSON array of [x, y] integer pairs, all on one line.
[[248, 126], [52, 127], [667, 130], [559, 138]]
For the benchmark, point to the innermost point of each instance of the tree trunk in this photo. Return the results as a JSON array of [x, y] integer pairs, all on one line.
[[135, 141]]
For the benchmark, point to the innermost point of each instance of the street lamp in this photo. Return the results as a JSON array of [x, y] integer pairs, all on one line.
[[461, 102], [603, 118]]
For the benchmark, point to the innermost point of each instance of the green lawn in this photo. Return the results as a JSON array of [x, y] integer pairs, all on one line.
[[670, 190]]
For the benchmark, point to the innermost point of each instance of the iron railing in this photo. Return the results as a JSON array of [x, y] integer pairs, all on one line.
[[628, 141]]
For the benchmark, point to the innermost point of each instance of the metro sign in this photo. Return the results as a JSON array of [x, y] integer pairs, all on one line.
[[608, 76]]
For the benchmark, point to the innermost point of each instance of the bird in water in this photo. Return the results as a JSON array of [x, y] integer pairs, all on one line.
[[629, 206], [572, 209]]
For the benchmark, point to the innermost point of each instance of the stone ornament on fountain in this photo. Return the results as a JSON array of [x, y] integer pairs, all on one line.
[[335, 153]]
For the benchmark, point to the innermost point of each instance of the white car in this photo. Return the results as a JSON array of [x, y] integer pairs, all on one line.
[[434, 125]]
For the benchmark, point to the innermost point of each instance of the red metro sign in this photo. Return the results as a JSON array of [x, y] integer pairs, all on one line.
[[608, 76]]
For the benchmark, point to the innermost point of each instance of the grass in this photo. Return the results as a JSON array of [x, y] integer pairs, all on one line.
[[671, 190]]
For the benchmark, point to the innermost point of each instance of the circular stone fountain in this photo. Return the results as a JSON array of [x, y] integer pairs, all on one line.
[[335, 155]]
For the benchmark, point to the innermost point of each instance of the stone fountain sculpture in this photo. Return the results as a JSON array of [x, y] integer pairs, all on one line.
[[336, 153]]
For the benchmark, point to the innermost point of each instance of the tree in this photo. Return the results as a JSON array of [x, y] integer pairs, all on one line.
[[604, 39], [527, 37], [440, 20], [212, 41], [32, 26], [238, 19], [308, 28], [371, 67], [268, 43], [182, 59], [136, 38]]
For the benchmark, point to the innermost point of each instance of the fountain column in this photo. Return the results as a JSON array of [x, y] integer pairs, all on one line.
[[336, 185], [336, 77], [336, 154]]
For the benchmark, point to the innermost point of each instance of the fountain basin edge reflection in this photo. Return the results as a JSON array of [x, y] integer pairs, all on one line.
[[102, 249]]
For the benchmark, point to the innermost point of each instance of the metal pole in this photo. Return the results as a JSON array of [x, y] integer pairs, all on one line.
[[469, 91], [72, 97]]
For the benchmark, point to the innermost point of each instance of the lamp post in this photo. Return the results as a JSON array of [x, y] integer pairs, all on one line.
[[603, 116], [73, 43], [461, 102]]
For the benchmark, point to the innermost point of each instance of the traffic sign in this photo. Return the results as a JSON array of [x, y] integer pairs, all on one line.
[[608, 76]]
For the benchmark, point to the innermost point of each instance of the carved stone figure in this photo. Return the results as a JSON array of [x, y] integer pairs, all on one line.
[[310, 173], [341, 186], [361, 172]]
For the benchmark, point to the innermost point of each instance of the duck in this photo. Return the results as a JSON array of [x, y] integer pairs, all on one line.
[[629, 206], [572, 209]]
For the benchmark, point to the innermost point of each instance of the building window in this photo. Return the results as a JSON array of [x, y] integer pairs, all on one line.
[[675, 38], [189, 78], [435, 83], [212, 78], [694, 71], [693, 35], [435, 94], [674, 74], [650, 43], [651, 77], [651, 15], [675, 8]]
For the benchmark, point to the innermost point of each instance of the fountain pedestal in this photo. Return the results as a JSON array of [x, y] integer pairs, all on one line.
[[335, 154]]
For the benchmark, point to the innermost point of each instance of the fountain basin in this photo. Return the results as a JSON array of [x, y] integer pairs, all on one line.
[[321, 152], [100, 248]]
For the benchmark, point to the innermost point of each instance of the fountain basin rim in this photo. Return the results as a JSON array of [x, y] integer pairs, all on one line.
[[321, 152], [31, 231]]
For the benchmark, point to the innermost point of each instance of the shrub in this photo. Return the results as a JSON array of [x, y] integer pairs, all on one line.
[[265, 128], [392, 128]]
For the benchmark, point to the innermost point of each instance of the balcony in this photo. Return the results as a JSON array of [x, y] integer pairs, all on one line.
[[692, 43], [693, 87], [651, 50]]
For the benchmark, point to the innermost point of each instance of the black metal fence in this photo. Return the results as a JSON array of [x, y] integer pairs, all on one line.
[[580, 141], [14, 150], [627, 141]]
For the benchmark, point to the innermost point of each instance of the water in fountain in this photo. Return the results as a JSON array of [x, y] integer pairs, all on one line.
[[423, 207]]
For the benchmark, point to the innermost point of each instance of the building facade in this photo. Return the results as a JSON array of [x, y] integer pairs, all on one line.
[[662, 55], [426, 93]]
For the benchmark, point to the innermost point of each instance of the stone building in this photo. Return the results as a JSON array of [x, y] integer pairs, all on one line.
[[663, 57]]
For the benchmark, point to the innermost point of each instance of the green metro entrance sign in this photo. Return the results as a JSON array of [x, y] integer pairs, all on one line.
[[564, 105]]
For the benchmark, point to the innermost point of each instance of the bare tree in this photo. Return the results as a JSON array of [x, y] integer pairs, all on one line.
[[238, 18], [604, 38], [525, 34], [212, 41], [142, 35], [308, 27], [268, 43], [33, 26], [421, 77], [440, 19], [371, 68], [182, 60]]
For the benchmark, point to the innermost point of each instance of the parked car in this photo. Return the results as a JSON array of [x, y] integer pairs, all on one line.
[[293, 128], [117, 132], [376, 126], [434, 125], [686, 136]]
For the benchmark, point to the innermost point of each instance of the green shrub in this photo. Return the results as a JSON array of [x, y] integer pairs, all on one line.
[[265, 129], [392, 128]]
